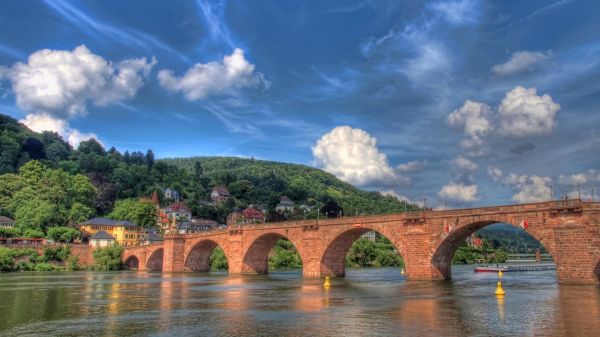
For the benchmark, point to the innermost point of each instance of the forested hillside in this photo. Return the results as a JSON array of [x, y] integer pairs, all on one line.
[[121, 178]]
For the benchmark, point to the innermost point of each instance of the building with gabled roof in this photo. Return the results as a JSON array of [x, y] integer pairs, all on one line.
[[124, 232], [219, 194]]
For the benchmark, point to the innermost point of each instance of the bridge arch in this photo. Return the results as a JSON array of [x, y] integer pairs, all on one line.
[[332, 262], [443, 252], [256, 256], [155, 261], [198, 256], [132, 263]]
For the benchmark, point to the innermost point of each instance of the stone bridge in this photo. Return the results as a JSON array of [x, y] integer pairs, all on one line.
[[427, 240]]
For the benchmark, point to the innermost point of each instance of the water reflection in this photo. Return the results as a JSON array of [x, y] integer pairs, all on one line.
[[374, 302]]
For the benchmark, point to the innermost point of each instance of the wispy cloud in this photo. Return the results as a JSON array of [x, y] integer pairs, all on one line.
[[92, 26], [540, 11], [213, 15]]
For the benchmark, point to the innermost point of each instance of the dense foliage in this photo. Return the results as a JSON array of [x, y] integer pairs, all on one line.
[[138, 212], [471, 255], [218, 260], [40, 197], [28, 259], [108, 258]]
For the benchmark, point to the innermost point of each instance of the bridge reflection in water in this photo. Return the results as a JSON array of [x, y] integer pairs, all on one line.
[[373, 302]]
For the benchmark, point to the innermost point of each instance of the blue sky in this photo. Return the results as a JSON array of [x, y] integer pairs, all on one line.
[[462, 102]]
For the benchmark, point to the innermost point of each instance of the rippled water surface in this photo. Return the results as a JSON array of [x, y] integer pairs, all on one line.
[[368, 302]]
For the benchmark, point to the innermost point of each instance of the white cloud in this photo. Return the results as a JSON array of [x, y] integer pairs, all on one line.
[[459, 192], [520, 61], [527, 188], [463, 164], [392, 193], [62, 82], [473, 119], [412, 166], [456, 12], [494, 173], [352, 155], [530, 188], [586, 178], [45, 122], [203, 80], [523, 113]]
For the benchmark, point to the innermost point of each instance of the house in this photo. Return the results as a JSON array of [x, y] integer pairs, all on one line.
[[123, 232], [6, 222], [101, 239], [252, 215], [196, 225], [285, 205], [153, 200], [151, 237], [179, 210], [474, 241], [171, 194], [219, 194], [235, 217]]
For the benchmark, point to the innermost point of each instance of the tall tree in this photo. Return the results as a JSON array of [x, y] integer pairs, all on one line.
[[149, 159]]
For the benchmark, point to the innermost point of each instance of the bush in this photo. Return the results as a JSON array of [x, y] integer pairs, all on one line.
[[72, 263], [285, 256], [62, 234], [108, 258], [33, 233], [9, 232], [25, 266], [7, 260], [59, 254], [218, 261], [44, 266]]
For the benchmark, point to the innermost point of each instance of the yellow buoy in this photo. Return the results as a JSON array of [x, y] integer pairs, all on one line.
[[402, 271], [500, 274], [327, 283], [499, 291]]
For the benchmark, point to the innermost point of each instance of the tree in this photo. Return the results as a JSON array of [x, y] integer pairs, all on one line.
[[91, 146], [7, 260], [57, 152], [80, 213], [198, 171], [149, 159], [63, 234], [141, 213], [108, 258], [331, 209]]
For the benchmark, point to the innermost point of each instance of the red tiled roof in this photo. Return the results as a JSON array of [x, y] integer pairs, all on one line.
[[177, 207], [221, 190], [253, 213]]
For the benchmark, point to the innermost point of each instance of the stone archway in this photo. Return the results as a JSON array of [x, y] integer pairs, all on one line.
[[441, 260], [132, 263], [198, 258], [155, 261], [256, 257], [334, 256]]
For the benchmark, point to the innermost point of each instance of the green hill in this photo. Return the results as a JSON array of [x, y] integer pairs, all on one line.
[[118, 176], [264, 182]]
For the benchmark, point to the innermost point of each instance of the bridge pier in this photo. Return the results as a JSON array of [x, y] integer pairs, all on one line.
[[174, 253]]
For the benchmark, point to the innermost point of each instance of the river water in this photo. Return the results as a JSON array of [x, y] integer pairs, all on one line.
[[367, 302]]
